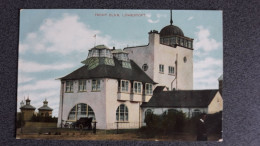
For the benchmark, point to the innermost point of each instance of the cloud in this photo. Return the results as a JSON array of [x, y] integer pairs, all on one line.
[[148, 15], [204, 41], [65, 35], [24, 79], [190, 18], [26, 66], [158, 16], [153, 21], [39, 85], [206, 73], [161, 15]]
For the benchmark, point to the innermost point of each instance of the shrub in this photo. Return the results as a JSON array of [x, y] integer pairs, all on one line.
[[40, 118], [168, 122]]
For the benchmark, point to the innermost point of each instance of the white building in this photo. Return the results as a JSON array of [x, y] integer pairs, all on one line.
[[112, 84]]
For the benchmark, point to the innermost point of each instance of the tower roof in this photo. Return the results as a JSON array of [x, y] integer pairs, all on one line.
[[99, 47], [27, 105], [45, 106], [171, 30]]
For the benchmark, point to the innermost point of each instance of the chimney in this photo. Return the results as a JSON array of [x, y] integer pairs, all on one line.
[[154, 37]]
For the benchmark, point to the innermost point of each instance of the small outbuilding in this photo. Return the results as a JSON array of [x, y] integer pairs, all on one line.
[[27, 110], [45, 110], [190, 102]]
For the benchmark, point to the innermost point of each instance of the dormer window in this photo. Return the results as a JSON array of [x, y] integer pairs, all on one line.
[[95, 53]]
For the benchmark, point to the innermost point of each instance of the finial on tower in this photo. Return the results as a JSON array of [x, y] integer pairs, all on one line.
[[171, 17]]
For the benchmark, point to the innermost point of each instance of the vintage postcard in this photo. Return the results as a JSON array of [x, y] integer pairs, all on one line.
[[108, 74]]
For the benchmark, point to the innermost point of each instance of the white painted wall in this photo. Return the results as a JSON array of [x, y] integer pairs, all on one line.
[[112, 105], [216, 105], [96, 100], [155, 54], [103, 103]]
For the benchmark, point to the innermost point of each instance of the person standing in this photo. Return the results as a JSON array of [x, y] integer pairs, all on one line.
[[202, 129]]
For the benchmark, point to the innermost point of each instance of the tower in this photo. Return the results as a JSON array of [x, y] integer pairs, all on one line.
[[45, 110], [167, 59], [27, 110]]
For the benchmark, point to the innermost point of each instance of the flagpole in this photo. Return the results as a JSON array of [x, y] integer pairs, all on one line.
[[95, 39]]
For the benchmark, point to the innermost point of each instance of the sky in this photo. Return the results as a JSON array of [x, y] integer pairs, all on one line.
[[53, 42]]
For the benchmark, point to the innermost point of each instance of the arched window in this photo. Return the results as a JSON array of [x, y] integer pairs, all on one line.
[[122, 113], [148, 111], [81, 110]]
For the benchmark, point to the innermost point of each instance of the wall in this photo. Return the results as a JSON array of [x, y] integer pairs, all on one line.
[[155, 54], [159, 111], [112, 104], [216, 104], [27, 114], [44, 113], [143, 55], [185, 69], [96, 100]]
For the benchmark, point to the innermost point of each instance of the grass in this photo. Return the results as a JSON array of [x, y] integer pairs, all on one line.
[[123, 134]]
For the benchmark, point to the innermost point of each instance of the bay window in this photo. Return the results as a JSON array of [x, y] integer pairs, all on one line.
[[148, 89], [137, 87], [124, 86]]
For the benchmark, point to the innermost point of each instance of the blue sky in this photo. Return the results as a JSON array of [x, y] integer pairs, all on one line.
[[53, 42]]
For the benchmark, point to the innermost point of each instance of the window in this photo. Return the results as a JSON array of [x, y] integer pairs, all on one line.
[[69, 86], [138, 87], [145, 67], [177, 40], [82, 85], [196, 112], [171, 70], [95, 85], [122, 113], [161, 68], [189, 44], [148, 111], [181, 41], [185, 59], [185, 43], [172, 41], [81, 110], [124, 85], [161, 40], [102, 53], [95, 53], [149, 89], [166, 41]]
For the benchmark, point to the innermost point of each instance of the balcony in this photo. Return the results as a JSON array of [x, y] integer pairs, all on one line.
[[131, 96]]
